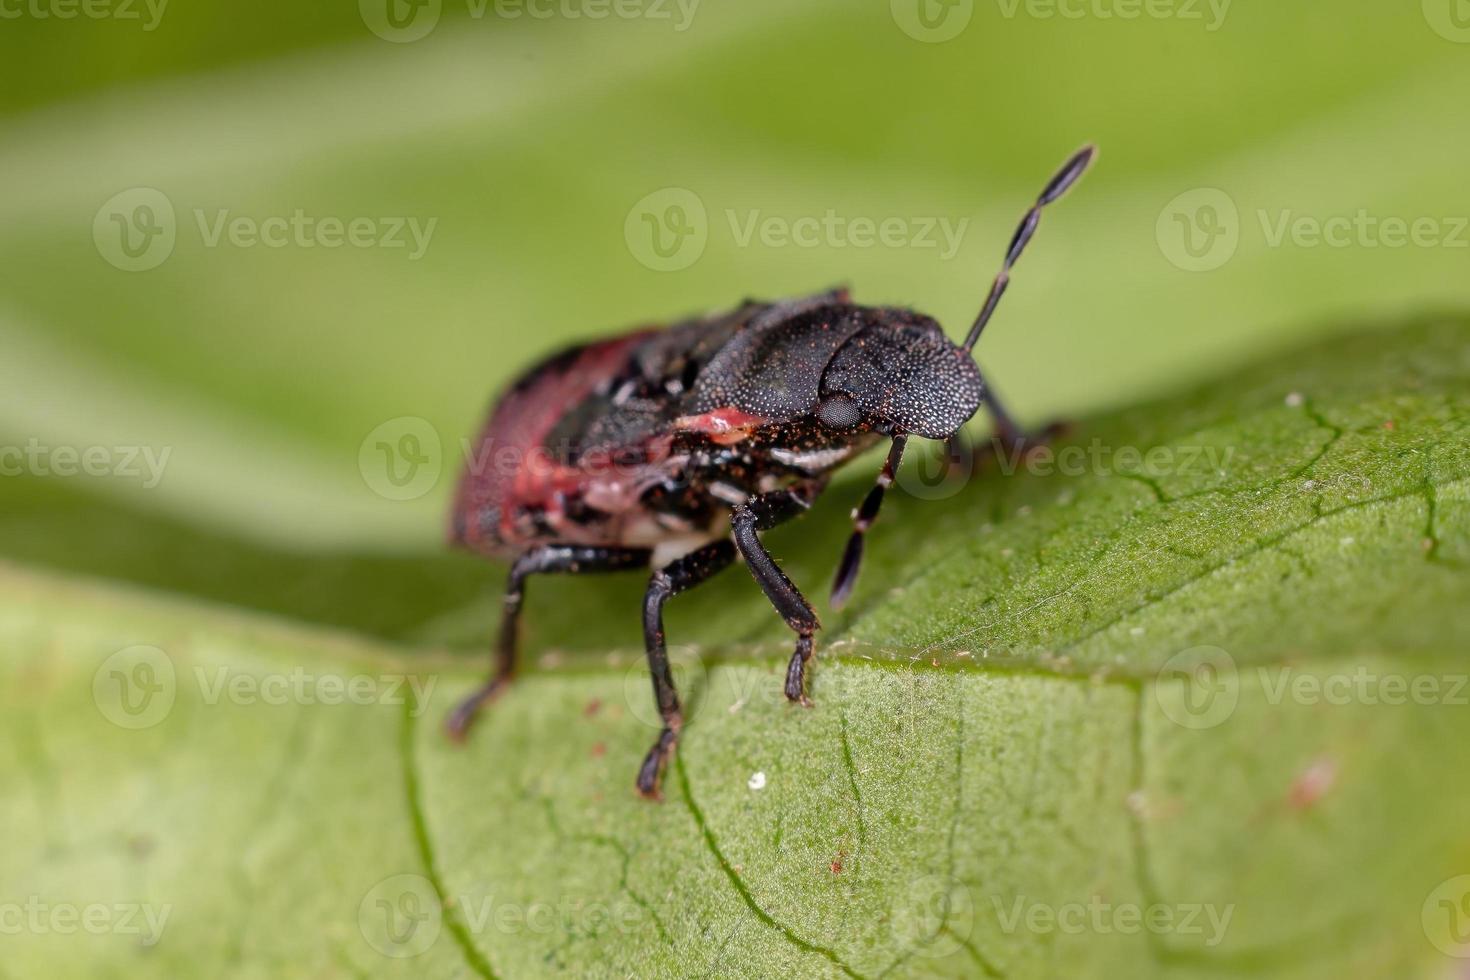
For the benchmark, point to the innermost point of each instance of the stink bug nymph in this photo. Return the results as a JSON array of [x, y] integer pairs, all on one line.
[[672, 449]]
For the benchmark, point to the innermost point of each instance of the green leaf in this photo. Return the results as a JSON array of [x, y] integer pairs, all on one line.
[[1219, 694]]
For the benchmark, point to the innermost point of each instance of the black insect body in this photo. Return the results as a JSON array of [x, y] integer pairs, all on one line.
[[675, 448]]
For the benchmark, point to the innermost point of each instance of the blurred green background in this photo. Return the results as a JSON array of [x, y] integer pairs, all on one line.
[[532, 144], [570, 175]]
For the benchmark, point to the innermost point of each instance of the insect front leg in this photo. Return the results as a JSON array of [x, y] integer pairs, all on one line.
[[681, 574], [862, 519], [551, 558], [761, 513]]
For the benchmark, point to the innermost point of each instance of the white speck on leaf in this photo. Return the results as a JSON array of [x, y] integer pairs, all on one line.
[[1296, 400], [757, 781]]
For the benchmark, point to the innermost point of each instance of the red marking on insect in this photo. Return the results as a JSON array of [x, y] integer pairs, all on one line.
[[724, 426], [836, 864]]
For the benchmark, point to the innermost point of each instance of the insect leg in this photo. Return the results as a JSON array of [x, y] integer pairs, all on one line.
[[681, 574], [761, 513], [1010, 438], [551, 558], [862, 519]]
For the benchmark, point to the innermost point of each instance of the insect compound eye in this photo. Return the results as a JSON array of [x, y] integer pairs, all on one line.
[[839, 412]]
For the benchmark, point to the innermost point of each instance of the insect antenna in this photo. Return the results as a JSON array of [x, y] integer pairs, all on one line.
[[867, 511], [1055, 188]]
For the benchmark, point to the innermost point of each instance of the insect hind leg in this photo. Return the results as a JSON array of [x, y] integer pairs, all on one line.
[[565, 559], [679, 575]]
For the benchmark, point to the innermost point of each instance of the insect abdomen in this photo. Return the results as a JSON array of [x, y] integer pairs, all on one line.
[[511, 469]]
